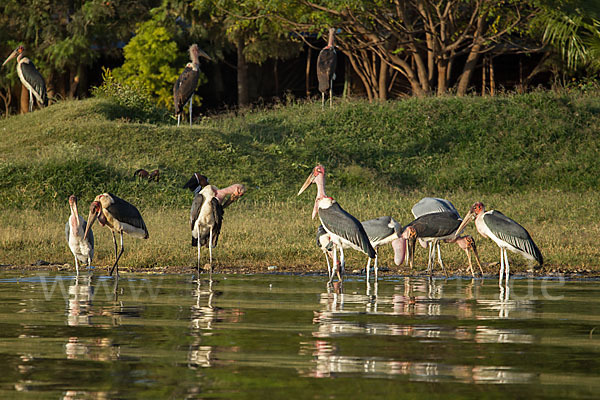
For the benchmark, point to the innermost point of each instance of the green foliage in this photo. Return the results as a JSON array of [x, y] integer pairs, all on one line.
[[151, 61], [130, 101]]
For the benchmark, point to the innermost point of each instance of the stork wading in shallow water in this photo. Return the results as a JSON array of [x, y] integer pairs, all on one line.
[[326, 63], [381, 231], [432, 205], [206, 218], [506, 233], [184, 88], [30, 78], [226, 196], [81, 246], [120, 217], [344, 230]]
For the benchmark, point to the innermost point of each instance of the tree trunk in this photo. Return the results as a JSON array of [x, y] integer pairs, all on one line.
[[24, 99], [383, 80], [442, 85], [472, 58], [307, 78], [242, 75]]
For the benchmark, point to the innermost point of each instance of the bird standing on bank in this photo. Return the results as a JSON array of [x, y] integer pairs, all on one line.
[[506, 233], [344, 230], [206, 218], [81, 246], [433, 205], [226, 196], [183, 91], [120, 217], [30, 78], [326, 64]]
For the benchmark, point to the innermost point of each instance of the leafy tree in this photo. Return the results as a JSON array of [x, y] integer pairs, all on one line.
[[152, 60]]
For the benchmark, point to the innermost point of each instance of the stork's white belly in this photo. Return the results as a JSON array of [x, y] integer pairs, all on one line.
[[79, 247], [205, 221], [129, 229]]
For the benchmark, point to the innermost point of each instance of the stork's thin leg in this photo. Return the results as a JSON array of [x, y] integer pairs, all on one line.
[[30, 101], [376, 266], [342, 265], [118, 257], [501, 266], [507, 271], [198, 245], [210, 249], [429, 250], [331, 94], [77, 266], [191, 99], [334, 266], [178, 119], [440, 258], [368, 267], [328, 265], [470, 265], [323, 100]]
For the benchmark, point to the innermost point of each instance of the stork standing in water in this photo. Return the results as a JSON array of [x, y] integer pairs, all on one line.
[[432, 205], [326, 63], [226, 196], [120, 217], [381, 231], [30, 78], [81, 246], [206, 217], [183, 91], [506, 233], [344, 230]]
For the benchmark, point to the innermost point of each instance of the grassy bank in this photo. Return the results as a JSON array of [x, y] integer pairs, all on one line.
[[534, 157]]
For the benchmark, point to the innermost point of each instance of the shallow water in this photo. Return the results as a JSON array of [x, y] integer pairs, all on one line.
[[278, 336]]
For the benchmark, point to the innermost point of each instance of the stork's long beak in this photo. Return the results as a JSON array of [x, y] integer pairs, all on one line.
[[470, 215], [309, 180], [91, 219], [399, 246], [12, 55], [203, 54]]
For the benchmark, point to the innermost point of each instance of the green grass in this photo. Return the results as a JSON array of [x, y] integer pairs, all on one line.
[[533, 156]]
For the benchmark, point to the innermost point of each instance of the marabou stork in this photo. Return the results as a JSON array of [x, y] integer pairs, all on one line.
[[206, 217], [82, 247], [344, 230], [184, 88], [119, 216], [235, 191], [506, 233], [381, 231], [326, 63], [30, 78], [431, 205]]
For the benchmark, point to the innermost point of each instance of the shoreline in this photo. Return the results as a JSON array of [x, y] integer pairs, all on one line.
[[579, 274]]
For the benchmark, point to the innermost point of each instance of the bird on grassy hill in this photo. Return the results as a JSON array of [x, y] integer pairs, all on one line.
[[184, 88], [344, 230], [206, 218], [326, 63], [506, 233], [30, 78], [120, 217], [381, 231], [432, 205], [81, 246]]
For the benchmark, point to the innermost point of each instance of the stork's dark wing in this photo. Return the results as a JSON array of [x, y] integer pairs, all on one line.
[[35, 79], [217, 210], [379, 228], [195, 211], [184, 88], [126, 212], [511, 232], [339, 222], [431, 205], [326, 63], [436, 224]]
